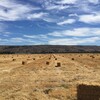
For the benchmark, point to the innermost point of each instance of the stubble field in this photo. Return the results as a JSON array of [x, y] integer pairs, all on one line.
[[46, 76]]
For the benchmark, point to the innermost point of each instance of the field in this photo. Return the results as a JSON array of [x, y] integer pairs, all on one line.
[[47, 76]]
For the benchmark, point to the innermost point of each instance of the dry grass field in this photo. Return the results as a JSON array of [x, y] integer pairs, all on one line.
[[46, 76]]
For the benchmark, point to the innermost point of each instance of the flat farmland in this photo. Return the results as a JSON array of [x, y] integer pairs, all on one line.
[[47, 76]]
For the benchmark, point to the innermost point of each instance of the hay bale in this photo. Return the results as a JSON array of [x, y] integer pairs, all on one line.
[[33, 58], [92, 56], [28, 56], [13, 59], [73, 59], [58, 64], [88, 92], [47, 63], [23, 62], [55, 58]]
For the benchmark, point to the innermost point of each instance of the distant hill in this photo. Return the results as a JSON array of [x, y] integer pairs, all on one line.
[[48, 49]]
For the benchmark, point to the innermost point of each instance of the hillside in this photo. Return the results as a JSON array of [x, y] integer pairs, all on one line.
[[48, 49]]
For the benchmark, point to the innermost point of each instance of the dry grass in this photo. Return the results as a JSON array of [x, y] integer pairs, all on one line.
[[46, 76]]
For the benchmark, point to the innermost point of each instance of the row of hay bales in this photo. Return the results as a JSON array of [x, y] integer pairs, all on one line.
[[58, 64], [29, 58], [47, 63], [91, 56], [80, 55], [25, 62]]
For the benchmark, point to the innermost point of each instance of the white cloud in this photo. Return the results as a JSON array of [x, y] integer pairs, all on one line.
[[62, 42], [7, 3], [78, 36], [48, 19], [41, 36], [7, 33], [77, 32], [16, 40], [93, 1], [69, 21], [67, 1], [57, 7], [72, 15], [11, 10], [73, 41], [30, 36], [90, 18], [37, 15]]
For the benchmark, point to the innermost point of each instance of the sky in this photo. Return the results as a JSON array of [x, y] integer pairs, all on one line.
[[50, 22]]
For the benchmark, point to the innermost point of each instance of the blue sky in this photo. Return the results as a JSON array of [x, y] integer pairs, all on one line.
[[52, 22]]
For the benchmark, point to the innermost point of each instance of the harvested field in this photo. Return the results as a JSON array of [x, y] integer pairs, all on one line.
[[47, 76]]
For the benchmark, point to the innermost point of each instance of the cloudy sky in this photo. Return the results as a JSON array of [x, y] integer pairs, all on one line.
[[53, 22]]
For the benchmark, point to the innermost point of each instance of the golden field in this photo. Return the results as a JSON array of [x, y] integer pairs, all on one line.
[[46, 76]]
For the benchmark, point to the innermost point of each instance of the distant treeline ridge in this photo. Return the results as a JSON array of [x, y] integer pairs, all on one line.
[[48, 49]]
